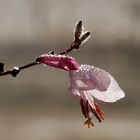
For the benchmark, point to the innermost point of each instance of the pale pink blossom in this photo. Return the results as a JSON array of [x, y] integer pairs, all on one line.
[[88, 84]]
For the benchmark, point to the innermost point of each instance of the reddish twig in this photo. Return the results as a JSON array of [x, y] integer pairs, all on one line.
[[79, 38]]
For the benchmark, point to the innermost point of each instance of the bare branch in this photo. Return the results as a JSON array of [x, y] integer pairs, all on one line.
[[78, 40], [16, 70]]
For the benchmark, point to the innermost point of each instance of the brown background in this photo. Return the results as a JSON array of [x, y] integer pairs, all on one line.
[[37, 105]]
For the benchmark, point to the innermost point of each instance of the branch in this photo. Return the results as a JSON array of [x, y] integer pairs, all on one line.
[[79, 38], [16, 70]]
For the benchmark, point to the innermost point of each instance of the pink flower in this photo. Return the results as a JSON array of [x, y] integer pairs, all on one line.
[[87, 83]]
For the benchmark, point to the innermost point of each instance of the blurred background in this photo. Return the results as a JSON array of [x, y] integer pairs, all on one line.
[[37, 105]]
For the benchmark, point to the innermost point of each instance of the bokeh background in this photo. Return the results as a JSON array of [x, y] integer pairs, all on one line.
[[36, 105]]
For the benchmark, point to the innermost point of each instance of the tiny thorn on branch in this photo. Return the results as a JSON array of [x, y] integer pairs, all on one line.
[[79, 37]]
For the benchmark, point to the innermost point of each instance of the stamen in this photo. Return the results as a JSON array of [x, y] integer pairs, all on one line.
[[89, 123], [87, 108], [83, 108], [96, 114], [100, 112]]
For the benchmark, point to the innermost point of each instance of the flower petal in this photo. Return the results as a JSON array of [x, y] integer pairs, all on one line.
[[96, 82], [112, 94]]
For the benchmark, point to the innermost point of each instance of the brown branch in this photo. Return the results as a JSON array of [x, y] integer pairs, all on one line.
[[79, 38], [16, 70]]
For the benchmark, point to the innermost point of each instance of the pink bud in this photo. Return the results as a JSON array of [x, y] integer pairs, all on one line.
[[59, 61]]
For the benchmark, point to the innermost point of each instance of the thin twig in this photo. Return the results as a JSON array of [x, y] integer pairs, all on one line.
[[16, 70], [78, 40], [28, 65]]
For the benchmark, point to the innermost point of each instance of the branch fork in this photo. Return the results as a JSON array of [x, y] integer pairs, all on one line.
[[79, 38]]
